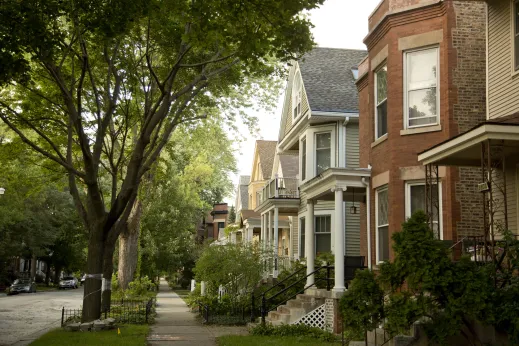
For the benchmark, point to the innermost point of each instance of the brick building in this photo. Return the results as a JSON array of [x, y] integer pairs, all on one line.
[[420, 84]]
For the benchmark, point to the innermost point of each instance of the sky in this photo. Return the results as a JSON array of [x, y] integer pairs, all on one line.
[[337, 24]]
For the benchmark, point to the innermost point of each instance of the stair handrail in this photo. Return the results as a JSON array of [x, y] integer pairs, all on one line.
[[264, 310], [285, 279]]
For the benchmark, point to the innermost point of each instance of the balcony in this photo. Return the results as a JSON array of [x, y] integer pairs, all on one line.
[[278, 191]]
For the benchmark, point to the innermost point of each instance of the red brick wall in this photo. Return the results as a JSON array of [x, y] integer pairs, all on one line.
[[462, 106]]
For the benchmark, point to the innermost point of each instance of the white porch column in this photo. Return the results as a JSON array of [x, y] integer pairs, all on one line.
[[269, 229], [310, 242], [276, 241], [339, 239], [250, 231], [202, 288]]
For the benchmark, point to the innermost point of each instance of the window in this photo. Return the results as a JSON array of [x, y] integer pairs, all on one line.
[[415, 200], [221, 233], [516, 34], [355, 72], [421, 84], [382, 234], [302, 238], [323, 234], [303, 158], [296, 95], [381, 102], [323, 152]]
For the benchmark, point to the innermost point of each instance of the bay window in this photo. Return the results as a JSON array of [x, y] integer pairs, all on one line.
[[421, 87], [382, 223], [323, 151], [381, 102], [415, 200]]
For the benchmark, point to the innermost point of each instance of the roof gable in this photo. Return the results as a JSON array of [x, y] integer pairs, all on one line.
[[264, 154]]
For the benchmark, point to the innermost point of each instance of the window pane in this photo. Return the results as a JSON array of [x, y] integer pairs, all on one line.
[[417, 198], [382, 119], [382, 207], [323, 140], [323, 243], [381, 84], [323, 151], [421, 69], [383, 243], [422, 103], [323, 224]]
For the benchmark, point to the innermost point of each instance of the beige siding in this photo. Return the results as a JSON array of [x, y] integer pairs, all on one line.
[[288, 111], [295, 237], [352, 240], [352, 146], [503, 98]]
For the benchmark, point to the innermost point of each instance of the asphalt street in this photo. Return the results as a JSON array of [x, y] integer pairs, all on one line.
[[25, 316]]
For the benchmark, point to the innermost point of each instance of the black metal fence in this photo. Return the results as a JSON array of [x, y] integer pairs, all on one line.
[[223, 314], [129, 311]]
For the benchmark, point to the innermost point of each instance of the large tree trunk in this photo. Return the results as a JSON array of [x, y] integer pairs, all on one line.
[[57, 272], [129, 246], [92, 292], [33, 267], [108, 269]]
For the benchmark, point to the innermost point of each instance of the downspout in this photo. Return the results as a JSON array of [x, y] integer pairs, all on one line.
[[368, 219]]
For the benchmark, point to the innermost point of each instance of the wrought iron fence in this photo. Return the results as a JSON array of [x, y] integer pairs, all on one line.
[[131, 311], [223, 314]]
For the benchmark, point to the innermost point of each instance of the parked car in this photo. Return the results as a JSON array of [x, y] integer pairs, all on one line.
[[68, 282], [22, 285]]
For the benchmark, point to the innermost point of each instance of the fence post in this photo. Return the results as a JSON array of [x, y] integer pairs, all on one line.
[[252, 307], [327, 276], [263, 308], [62, 316]]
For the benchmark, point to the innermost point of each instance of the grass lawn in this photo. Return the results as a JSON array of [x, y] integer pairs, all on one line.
[[256, 340], [181, 292], [46, 288], [131, 335]]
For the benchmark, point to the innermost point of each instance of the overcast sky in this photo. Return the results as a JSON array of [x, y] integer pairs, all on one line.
[[338, 24]]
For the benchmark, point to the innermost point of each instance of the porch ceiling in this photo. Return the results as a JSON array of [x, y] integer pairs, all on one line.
[[320, 187], [286, 206], [465, 149]]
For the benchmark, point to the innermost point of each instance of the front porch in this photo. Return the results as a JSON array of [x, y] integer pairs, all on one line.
[[492, 146], [339, 185]]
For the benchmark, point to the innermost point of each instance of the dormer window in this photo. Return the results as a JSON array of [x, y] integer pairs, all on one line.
[[296, 95], [355, 73]]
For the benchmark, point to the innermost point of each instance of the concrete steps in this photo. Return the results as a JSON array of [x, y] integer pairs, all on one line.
[[294, 309]]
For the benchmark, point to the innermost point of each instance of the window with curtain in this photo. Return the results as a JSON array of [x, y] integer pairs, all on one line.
[[323, 151], [381, 102], [323, 234], [415, 200], [421, 82], [382, 225]]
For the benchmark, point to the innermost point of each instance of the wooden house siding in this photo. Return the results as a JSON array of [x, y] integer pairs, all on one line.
[[352, 146], [352, 236], [503, 98]]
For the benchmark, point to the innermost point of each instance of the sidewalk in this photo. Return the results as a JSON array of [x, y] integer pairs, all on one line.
[[176, 325]]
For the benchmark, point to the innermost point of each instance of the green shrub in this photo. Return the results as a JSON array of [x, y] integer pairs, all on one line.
[[293, 330]]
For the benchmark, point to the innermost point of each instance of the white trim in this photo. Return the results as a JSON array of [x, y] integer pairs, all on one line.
[[336, 114], [341, 130], [513, 3], [376, 103], [297, 95], [406, 92], [310, 135], [377, 249], [408, 185], [486, 63]]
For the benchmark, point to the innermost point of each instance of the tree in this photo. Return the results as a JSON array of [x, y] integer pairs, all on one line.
[[232, 214], [99, 87]]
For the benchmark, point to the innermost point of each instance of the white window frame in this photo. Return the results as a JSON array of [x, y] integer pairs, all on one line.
[[377, 103], [297, 95], [514, 24], [332, 149], [377, 191], [324, 214], [408, 186], [309, 134], [406, 91]]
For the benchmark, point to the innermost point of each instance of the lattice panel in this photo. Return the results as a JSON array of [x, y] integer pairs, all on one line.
[[315, 318]]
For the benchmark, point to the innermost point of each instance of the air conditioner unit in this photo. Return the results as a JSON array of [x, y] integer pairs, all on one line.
[[484, 187]]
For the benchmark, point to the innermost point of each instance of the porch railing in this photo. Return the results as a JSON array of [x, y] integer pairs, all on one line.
[[278, 188]]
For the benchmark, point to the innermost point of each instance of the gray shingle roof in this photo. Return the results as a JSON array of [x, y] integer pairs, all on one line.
[[266, 153], [328, 79], [289, 165], [244, 179]]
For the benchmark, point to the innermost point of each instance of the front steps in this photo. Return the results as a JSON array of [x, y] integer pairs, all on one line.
[[294, 309]]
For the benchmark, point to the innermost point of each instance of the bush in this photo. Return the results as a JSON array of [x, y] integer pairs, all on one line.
[[293, 330], [141, 288]]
